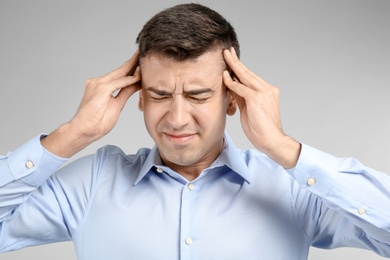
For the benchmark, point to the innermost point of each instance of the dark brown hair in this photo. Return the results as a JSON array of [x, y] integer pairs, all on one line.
[[186, 31]]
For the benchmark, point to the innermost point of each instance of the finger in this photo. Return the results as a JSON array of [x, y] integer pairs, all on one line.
[[236, 86], [113, 87], [126, 69], [236, 60], [243, 74], [117, 84], [125, 93]]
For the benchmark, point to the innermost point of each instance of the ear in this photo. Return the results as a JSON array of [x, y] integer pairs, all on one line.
[[140, 100], [232, 105]]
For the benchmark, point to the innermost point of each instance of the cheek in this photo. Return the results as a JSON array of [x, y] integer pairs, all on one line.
[[212, 113], [152, 116], [219, 105]]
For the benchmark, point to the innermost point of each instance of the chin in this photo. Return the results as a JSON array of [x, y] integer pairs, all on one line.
[[180, 159]]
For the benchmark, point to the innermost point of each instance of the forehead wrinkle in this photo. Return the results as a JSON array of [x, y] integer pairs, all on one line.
[[179, 84]]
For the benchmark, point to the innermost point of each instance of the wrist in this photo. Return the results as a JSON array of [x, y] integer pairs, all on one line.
[[66, 141], [284, 151]]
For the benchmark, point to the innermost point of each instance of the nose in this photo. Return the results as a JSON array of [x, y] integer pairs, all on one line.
[[178, 115]]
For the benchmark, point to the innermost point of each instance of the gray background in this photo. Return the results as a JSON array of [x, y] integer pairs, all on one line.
[[330, 59]]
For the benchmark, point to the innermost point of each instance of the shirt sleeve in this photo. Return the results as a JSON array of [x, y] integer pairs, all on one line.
[[341, 202], [38, 199], [22, 171]]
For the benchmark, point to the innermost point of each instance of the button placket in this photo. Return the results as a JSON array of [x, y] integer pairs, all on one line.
[[188, 241], [187, 212]]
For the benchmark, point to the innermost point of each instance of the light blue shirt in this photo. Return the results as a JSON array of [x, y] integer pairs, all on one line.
[[244, 206]]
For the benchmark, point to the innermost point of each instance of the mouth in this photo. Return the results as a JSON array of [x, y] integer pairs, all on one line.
[[179, 138]]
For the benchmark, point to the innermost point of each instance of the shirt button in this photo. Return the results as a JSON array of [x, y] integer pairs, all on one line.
[[29, 164], [188, 241], [362, 211], [311, 181], [191, 186], [159, 170]]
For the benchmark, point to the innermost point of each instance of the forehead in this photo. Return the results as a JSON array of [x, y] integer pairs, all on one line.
[[158, 70], [214, 56]]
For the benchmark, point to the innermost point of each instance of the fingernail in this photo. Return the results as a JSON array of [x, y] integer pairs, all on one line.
[[137, 71], [233, 50]]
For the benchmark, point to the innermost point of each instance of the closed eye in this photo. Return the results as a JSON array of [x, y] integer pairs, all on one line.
[[196, 96], [198, 100], [160, 98], [200, 95], [158, 95]]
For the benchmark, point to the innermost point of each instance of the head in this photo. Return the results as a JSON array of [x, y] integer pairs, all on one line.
[[185, 32], [183, 97]]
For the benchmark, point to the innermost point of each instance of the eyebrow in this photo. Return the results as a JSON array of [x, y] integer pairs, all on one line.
[[158, 91], [190, 92], [199, 91]]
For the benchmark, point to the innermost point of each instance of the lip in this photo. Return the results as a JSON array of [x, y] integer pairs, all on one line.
[[179, 138]]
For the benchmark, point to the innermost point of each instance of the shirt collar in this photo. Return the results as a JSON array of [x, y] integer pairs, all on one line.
[[150, 162], [234, 159], [230, 156]]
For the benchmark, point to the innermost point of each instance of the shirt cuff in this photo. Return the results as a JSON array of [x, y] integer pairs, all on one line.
[[345, 184], [315, 166], [31, 163]]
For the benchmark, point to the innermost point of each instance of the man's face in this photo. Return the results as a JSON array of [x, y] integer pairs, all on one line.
[[185, 105]]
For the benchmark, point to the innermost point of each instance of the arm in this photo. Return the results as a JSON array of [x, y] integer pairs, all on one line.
[[264, 130], [347, 202], [25, 173], [98, 112], [37, 209], [354, 197], [22, 171]]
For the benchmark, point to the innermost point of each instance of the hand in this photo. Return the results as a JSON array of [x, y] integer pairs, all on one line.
[[99, 110], [258, 102]]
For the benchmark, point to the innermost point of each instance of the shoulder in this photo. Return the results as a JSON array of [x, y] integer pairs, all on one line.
[[255, 158], [114, 153]]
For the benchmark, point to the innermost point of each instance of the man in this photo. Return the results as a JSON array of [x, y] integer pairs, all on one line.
[[194, 195]]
